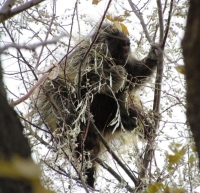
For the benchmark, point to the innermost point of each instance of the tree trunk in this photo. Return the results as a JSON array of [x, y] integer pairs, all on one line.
[[191, 53], [12, 143]]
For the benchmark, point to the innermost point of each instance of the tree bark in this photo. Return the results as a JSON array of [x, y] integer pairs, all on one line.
[[12, 143], [191, 53]]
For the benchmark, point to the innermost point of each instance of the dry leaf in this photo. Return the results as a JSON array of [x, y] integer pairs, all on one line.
[[181, 69], [124, 29], [95, 2]]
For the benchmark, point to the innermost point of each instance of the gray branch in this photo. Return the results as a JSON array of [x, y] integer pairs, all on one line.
[[29, 47], [7, 6], [160, 17], [139, 15], [6, 14]]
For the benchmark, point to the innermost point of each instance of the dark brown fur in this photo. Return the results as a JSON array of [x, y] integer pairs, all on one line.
[[110, 74]]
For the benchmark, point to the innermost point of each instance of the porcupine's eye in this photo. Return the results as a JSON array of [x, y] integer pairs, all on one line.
[[121, 54]]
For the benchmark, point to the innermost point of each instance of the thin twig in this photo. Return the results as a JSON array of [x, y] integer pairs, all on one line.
[[69, 42], [47, 34], [29, 47], [22, 56], [115, 174], [14, 103], [128, 172], [168, 24]]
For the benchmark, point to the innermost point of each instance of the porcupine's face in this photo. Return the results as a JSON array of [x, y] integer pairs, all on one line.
[[118, 45]]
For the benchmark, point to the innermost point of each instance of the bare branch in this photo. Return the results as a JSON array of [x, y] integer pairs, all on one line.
[[47, 34], [7, 6], [157, 95], [20, 53], [159, 74], [128, 172], [112, 171], [40, 81], [29, 47], [14, 103], [168, 24], [160, 17], [6, 15], [139, 15]]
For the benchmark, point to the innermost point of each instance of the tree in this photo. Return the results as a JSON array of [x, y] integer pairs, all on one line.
[[18, 173], [45, 24], [9, 147], [192, 62]]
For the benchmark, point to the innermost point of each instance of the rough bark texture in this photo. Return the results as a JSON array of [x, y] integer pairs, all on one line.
[[12, 143], [191, 52]]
